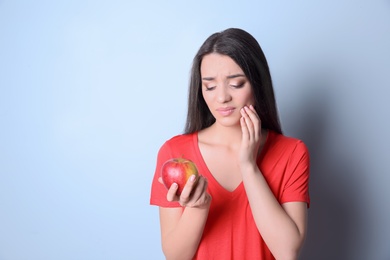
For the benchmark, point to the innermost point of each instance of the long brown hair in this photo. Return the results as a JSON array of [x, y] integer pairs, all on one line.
[[243, 48]]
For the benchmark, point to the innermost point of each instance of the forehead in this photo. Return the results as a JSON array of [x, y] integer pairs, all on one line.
[[215, 64]]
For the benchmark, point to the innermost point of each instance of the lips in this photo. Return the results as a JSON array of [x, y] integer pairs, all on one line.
[[225, 111]]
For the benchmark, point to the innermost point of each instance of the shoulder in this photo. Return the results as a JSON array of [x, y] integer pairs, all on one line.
[[179, 140], [178, 143], [286, 142], [280, 145], [288, 155]]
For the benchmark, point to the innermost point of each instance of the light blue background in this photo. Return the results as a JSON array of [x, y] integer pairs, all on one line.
[[89, 90]]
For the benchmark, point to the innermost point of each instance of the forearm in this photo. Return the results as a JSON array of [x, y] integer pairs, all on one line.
[[183, 240], [279, 231]]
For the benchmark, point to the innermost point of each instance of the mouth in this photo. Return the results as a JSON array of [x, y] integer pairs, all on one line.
[[225, 111]]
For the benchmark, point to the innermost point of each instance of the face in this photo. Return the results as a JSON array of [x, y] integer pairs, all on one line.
[[225, 88]]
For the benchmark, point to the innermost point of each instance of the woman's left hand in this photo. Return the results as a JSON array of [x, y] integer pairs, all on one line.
[[251, 136]]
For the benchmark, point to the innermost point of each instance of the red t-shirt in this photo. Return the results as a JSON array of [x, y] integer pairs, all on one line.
[[230, 231]]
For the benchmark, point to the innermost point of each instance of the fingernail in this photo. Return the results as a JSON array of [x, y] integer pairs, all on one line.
[[192, 178]]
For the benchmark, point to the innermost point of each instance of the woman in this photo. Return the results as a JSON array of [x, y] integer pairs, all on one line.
[[251, 199]]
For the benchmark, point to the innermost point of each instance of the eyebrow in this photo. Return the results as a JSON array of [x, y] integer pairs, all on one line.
[[229, 77]]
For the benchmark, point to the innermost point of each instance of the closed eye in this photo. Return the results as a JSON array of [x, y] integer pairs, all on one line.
[[209, 88], [238, 85]]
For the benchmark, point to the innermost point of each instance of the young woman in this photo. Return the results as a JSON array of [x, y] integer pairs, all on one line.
[[251, 199]]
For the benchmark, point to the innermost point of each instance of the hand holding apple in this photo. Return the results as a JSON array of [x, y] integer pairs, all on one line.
[[191, 187], [178, 170]]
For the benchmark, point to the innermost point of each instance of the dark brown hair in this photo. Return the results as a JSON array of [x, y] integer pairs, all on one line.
[[247, 53]]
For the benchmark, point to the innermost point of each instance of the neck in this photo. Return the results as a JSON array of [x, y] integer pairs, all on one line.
[[229, 136]]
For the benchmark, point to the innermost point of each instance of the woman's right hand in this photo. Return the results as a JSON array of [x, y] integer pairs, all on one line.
[[182, 227], [194, 193]]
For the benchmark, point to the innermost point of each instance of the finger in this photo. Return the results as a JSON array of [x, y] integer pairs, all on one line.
[[186, 193], [244, 128], [160, 180], [248, 122], [171, 194], [252, 111], [198, 192], [200, 197], [252, 114], [246, 118], [255, 120]]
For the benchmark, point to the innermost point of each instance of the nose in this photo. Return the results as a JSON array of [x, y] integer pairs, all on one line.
[[223, 94]]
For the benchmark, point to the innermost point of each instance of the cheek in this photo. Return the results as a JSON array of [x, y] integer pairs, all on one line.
[[252, 101], [249, 98], [207, 97]]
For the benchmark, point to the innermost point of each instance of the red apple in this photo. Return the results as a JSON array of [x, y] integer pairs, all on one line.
[[178, 170]]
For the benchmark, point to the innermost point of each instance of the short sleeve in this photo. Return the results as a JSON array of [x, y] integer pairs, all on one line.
[[158, 195], [297, 186]]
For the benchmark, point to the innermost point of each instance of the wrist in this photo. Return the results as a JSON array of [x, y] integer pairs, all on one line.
[[249, 168]]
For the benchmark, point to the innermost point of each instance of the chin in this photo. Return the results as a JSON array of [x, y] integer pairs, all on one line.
[[228, 122]]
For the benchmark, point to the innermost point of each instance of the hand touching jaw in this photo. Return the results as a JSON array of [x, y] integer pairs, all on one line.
[[225, 88]]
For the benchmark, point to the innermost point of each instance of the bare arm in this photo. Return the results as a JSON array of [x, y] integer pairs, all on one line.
[[182, 228], [283, 227]]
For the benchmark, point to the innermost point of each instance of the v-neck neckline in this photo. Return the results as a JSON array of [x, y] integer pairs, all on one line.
[[210, 176]]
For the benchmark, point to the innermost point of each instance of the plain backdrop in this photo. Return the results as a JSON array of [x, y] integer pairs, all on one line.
[[89, 91]]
